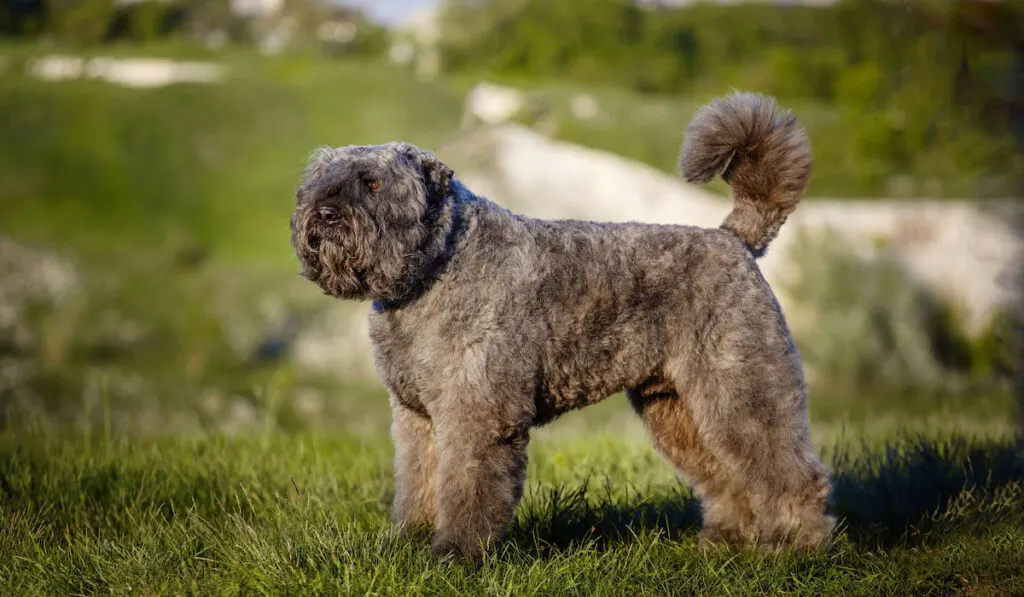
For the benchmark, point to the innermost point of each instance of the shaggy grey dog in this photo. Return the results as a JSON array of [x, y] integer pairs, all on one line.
[[486, 323]]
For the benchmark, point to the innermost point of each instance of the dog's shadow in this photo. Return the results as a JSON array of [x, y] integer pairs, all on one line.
[[600, 513], [910, 492]]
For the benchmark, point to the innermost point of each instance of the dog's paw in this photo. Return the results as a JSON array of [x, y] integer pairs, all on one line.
[[451, 549], [713, 539]]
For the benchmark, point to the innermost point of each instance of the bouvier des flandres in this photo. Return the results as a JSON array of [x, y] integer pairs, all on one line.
[[486, 323]]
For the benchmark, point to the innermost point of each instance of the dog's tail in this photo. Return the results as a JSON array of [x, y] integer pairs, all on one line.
[[761, 151]]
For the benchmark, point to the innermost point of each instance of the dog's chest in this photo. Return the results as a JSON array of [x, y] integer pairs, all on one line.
[[414, 359]]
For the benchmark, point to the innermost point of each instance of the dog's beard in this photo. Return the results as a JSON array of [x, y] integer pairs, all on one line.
[[326, 259], [357, 258], [338, 274], [334, 269]]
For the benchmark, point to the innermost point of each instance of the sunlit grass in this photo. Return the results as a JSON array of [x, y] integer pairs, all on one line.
[[308, 514]]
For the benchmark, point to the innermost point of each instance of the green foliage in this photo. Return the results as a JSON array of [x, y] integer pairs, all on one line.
[[923, 93], [147, 20], [875, 332], [82, 22]]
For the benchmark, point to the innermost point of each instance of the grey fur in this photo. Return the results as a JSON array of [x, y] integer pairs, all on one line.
[[486, 323]]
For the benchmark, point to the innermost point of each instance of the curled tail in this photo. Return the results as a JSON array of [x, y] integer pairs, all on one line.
[[761, 151]]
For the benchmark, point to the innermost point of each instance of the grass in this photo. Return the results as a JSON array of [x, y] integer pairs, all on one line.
[[107, 170], [935, 507], [307, 514]]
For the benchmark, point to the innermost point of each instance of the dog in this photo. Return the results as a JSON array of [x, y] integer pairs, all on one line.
[[486, 323]]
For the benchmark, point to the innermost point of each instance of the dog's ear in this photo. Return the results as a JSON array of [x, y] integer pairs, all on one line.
[[437, 175]]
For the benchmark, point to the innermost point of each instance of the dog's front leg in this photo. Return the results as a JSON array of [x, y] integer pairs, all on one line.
[[481, 471], [415, 503]]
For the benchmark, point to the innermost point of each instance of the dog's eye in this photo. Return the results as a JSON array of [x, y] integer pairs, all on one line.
[[373, 184]]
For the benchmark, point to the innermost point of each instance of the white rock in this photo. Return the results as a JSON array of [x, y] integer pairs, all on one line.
[[585, 107], [402, 52], [338, 345], [57, 68], [130, 72], [493, 104]]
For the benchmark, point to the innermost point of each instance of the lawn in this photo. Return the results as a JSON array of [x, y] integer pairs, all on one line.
[[266, 512], [108, 170]]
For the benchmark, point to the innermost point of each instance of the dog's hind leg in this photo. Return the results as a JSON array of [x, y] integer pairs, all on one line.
[[759, 437], [751, 414], [748, 458], [726, 512]]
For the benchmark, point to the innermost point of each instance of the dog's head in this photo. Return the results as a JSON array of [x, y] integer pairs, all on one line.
[[366, 219]]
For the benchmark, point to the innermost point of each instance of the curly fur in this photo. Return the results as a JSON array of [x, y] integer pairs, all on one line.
[[486, 323], [762, 152]]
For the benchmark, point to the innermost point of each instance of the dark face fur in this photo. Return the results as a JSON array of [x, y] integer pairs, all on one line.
[[368, 220]]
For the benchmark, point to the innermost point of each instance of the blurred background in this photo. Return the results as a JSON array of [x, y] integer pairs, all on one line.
[[150, 151]]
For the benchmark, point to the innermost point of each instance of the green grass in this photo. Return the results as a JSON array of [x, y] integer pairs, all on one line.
[[107, 170], [307, 514]]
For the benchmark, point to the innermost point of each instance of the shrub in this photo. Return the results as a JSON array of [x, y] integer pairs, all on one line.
[[872, 330]]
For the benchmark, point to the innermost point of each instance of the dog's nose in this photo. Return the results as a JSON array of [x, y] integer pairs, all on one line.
[[329, 215]]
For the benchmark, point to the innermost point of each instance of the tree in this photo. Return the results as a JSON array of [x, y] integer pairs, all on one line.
[[80, 22]]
